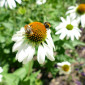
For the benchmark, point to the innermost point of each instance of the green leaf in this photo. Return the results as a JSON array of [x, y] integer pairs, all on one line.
[[78, 42], [67, 45], [11, 79], [71, 44], [21, 73], [5, 68]]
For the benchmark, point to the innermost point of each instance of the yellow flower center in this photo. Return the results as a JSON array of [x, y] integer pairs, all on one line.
[[36, 32], [66, 68], [69, 27], [81, 9]]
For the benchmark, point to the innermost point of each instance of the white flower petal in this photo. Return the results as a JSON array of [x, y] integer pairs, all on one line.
[[40, 2], [62, 36], [19, 35], [10, 3], [68, 19], [19, 1], [49, 52], [83, 20], [30, 51], [21, 53], [63, 20], [2, 2], [41, 54], [1, 70], [72, 37], [49, 39], [71, 7], [1, 77], [17, 45], [60, 31]]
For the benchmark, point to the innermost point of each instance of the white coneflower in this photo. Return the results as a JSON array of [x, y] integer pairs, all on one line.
[[68, 28], [1, 70], [10, 3], [40, 2], [78, 12], [30, 36], [64, 67]]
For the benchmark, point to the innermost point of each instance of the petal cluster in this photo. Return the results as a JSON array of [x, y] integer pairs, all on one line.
[[10, 3], [40, 2], [1, 70]]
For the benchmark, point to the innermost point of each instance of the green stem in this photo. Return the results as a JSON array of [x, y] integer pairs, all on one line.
[[30, 67]]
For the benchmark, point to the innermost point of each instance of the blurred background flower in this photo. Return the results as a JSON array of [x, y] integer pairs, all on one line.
[[40, 2], [68, 28], [10, 3], [1, 70], [64, 67], [78, 12]]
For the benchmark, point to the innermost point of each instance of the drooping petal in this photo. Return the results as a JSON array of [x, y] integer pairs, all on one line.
[[10, 4], [49, 52], [19, 1], [1, 77], [2, 2], [41, 54], [21, 53], [1, 70], [71, 7], [39, 2], [30, 51], [83, 20], [19, 35], [13, 3], [17, 45], [49, 39]]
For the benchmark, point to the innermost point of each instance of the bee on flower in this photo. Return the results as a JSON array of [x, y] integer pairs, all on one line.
[[31, 36], [78, 12], [40, 2], [64, 67], [68, 28], [10, 3]]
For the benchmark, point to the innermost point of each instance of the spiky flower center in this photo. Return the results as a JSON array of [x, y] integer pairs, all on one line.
[[37, 32], [69, 27], [81, 9], [66, 68]]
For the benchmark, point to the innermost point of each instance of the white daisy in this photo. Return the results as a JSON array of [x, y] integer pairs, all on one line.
[[78, 12], [64, 67], [1, 70], [68, 28], [31, 36], [40, 2], [11, 3]]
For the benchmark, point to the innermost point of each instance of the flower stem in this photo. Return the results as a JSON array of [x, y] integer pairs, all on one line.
[[30, 67]]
